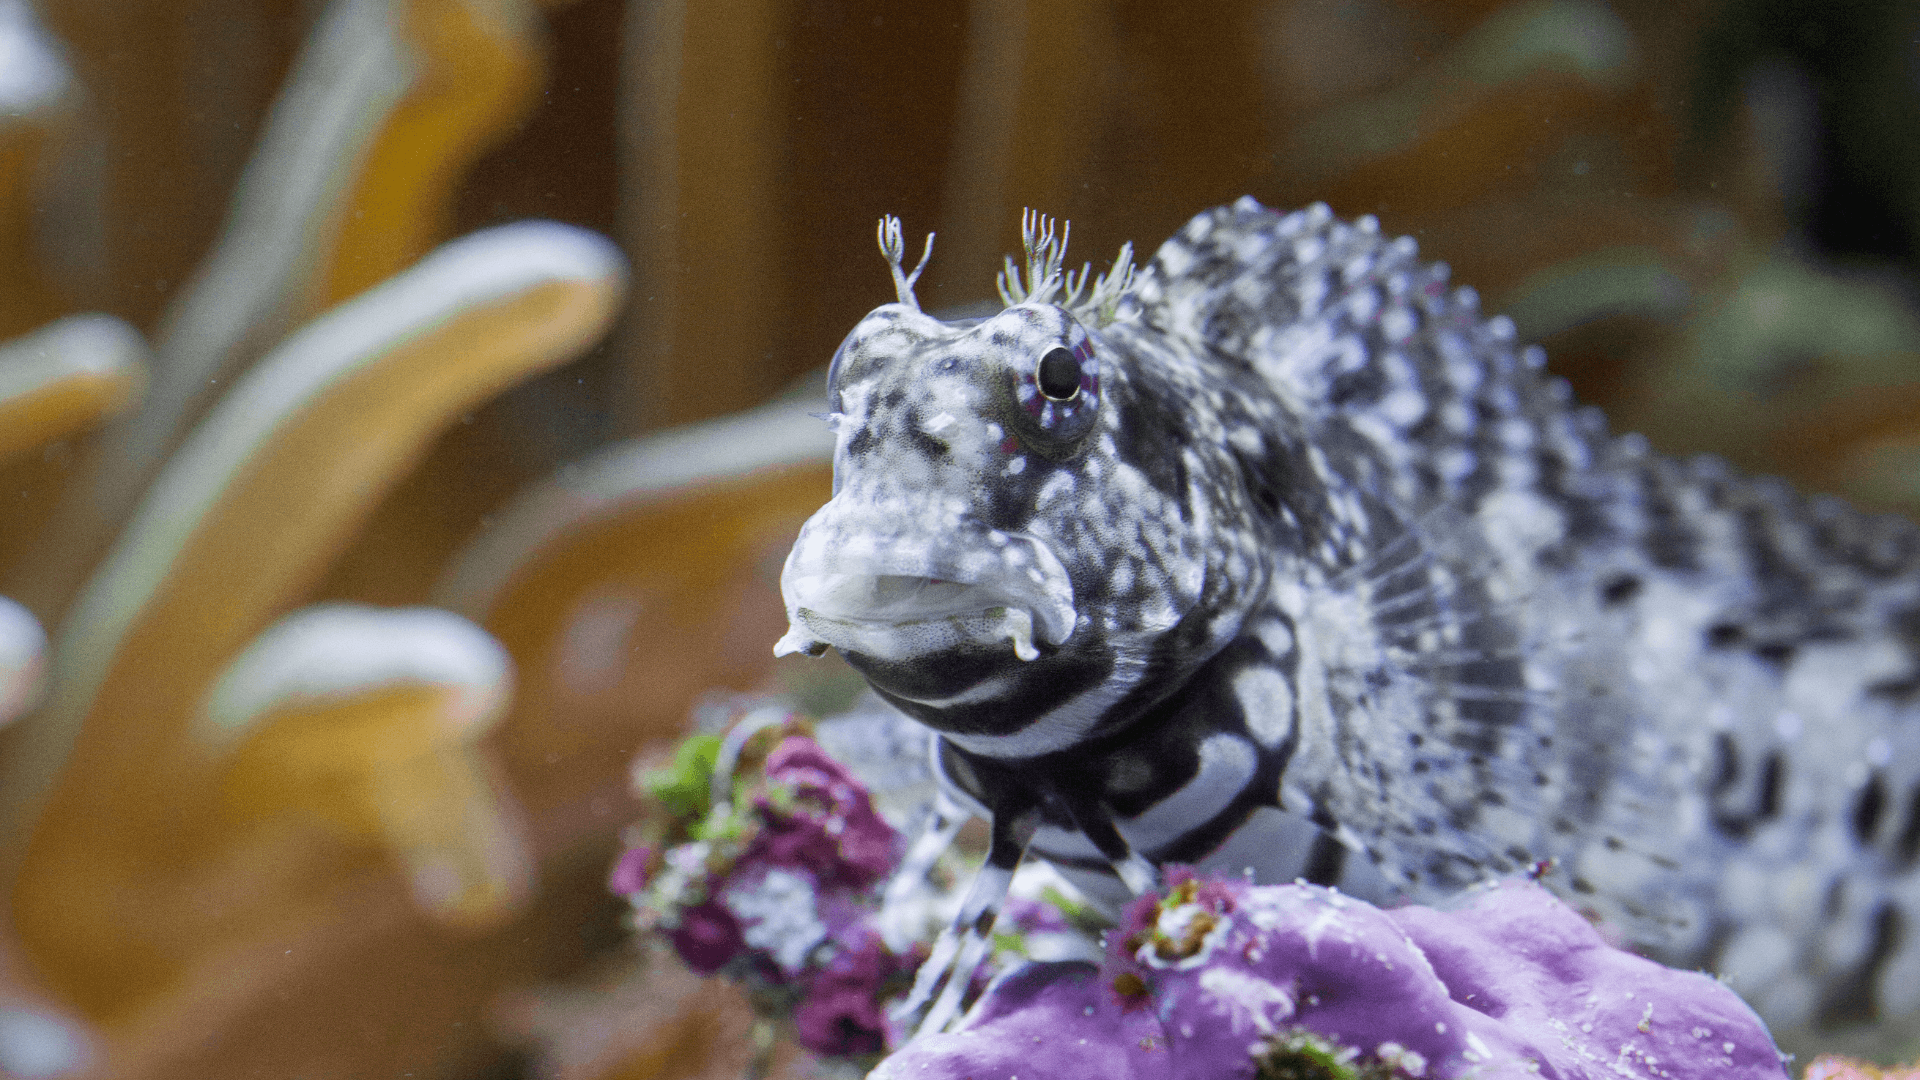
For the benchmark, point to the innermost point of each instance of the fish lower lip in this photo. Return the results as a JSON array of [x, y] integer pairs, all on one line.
[[898, 615], [895, 598], [896, 639]]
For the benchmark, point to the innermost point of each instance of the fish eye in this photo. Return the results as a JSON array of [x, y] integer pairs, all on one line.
[[1054, 383], [1059, 374]]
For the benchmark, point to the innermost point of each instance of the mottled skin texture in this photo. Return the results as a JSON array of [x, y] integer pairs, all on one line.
[[1334, 547]]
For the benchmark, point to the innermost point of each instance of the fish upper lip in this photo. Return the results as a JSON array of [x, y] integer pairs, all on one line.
[[839, 590]]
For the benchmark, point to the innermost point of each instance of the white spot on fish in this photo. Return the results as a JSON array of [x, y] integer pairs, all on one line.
[[1404, 407], [1266, 702]]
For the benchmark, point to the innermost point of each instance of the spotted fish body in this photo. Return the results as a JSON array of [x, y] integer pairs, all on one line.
[[1308, 559]]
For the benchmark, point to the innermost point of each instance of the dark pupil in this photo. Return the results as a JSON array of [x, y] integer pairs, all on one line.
[[1059, 374]]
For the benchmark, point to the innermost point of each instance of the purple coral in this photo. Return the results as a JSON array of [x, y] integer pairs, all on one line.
[[1055, 1020], [1835, 1067], [1245, 981], [631, 873], [775, 888], [840, 1013], [707, 937], [822, 819]]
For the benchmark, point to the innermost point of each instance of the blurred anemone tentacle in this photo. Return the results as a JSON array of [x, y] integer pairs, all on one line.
[[778, 446], [23, 660], [683, 529], [352, 180], [66, 377], [367, 718], [237, 528], [37, 105]]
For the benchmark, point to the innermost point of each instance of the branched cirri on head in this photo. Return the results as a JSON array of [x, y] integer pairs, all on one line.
[[1279, 556]]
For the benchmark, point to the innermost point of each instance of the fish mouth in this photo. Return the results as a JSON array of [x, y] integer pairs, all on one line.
[[918, 599]]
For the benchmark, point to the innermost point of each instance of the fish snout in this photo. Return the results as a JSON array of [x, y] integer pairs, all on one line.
[[898, 589]]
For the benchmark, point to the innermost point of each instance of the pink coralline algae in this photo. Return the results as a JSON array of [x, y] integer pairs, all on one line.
[[629, 874], [1219, 980]]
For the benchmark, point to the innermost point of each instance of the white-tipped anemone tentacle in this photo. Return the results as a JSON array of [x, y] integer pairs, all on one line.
[[920, 591], [893, 247]]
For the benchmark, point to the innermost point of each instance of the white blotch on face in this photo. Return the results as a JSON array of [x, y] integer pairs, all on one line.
[[1266, 700], [1016, 466]]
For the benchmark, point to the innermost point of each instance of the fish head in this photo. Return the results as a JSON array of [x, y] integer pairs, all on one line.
[[990, 561]]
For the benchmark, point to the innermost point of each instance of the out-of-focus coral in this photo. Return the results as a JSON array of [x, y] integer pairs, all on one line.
[[1217, 979], [248, 511], [37, 102], [646, 1017], [66, 377], [761, 857], [1836, 1067], [23, 660]]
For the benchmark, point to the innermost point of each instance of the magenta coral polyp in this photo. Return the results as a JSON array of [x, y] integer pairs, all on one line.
[[840, 1013]]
